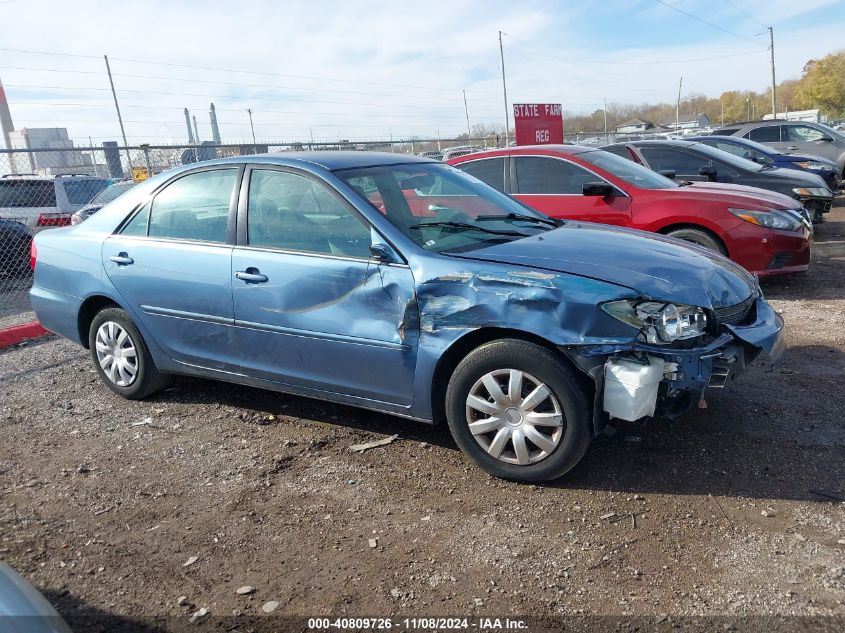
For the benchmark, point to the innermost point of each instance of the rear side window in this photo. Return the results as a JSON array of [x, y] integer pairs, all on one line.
[[736, 150], [728, 131], [195, 207], [27, 193], [767, 134], [83, 191], [546, 175], [681, 162], [490, 171]]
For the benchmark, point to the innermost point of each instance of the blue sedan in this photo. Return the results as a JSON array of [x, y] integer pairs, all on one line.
[[765, 155], [402, 285]]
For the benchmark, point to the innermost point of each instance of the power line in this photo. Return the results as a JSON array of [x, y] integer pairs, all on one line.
[[746, 13], [232, 70], [698, 19], [644, 63], [229, 83]]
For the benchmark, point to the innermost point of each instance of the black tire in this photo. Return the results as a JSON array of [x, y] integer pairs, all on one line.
[[700, 237], [147, 378], [536, 362]]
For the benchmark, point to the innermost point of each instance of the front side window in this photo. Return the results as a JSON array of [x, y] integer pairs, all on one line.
[[443, 209], [490, 171], [292, 212], [803, 133], [194, 207], [681, 162], [545, 175], [626, 169], [765, 134]]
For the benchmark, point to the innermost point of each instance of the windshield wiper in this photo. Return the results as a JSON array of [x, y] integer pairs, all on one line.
[[522, 218], [465, 225]]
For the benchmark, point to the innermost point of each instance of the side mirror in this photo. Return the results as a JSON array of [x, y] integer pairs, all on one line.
[[381, 253], [668, 173], [826, 139], [708, 170], [600, 189]]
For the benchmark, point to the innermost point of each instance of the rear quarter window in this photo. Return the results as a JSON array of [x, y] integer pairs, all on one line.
[[83, 191], [27, 193]]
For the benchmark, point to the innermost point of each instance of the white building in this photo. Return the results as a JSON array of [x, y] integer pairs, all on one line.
[[813, 116], [64, 160]]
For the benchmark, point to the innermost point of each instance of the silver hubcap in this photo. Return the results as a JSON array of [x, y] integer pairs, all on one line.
[[116, 354], [514, 417]]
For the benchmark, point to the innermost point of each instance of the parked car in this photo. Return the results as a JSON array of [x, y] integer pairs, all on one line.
[[46, 201], [15, 242], [690, 162], [102, 199], [761, 230], [277, 271], [805, 137], [461, 150], [24, 609], [767, 156], [434, 155]]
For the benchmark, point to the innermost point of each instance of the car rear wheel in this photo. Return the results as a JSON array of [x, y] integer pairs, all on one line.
[[697, 236], [518, 411], [121, 356]]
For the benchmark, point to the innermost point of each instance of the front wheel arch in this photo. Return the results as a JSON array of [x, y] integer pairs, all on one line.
[[460, 348], [696, 227]]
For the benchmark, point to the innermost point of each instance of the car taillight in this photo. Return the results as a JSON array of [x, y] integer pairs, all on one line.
[[33, 255], [52, 219]]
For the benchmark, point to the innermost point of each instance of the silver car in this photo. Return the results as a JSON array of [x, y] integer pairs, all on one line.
[[801, 137]]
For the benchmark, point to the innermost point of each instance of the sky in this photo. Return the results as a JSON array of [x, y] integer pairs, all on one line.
[[366, 70]]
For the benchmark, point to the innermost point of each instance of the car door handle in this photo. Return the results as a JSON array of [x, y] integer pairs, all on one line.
[[792, 148], [122, 259], [251, 276]]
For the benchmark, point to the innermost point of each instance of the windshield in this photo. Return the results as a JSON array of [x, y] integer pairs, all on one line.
[[727, 157], [834, 133], [110, 193], [629, 171], [441, 208], [81, 191]]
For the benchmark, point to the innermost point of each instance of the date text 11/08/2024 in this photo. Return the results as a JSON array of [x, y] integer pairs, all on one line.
[[423, 623]]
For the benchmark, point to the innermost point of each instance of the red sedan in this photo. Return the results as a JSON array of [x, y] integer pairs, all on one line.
[[765, 232]]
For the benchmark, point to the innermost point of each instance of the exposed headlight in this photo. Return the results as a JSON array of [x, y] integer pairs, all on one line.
[[769, 219], [811, 164], [818, 192], [660, 323]]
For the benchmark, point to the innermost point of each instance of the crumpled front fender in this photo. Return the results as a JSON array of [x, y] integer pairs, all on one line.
[[766, 333]]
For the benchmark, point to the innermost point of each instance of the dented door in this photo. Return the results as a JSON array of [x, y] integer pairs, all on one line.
[[345, 325]]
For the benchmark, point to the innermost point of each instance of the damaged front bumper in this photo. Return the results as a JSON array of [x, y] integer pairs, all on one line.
[[639, 380]]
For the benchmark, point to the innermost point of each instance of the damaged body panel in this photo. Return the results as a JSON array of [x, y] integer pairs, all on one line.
[[404, 286]]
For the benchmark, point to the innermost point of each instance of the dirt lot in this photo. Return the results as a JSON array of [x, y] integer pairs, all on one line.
[[738, 507]]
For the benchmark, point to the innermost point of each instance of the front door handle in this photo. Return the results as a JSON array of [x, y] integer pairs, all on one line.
[[122, 259], [251, 276], [792, 148]]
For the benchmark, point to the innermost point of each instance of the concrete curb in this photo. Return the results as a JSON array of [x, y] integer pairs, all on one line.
[[20, 333]]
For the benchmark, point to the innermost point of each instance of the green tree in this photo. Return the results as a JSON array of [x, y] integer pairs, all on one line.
[[823, 83]]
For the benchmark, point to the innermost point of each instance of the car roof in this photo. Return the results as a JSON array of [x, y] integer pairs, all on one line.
[[331, 160], [569, 150]]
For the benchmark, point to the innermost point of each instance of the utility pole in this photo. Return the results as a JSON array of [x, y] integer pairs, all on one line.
[[505, 92], [678, 106], [466, 112], [119, 118], [251, 127], [604, 110], [772, 51], [722, 103], [196, 130], [748, 103]]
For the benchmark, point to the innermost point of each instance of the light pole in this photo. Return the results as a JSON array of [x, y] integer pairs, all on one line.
[[251, 127], [505, 92]]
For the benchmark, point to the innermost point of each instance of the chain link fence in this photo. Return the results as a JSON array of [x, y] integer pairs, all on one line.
[[41, 189]]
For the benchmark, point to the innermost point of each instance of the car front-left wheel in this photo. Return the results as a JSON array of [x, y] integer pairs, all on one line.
[[518, 411], [121, 357]]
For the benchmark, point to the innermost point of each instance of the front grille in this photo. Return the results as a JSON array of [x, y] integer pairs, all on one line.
[[736, 314]]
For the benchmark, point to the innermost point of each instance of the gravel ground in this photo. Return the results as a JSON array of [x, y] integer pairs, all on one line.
[[735, 510]]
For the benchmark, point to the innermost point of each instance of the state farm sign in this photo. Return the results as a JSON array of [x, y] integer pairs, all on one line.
[[538, 123]]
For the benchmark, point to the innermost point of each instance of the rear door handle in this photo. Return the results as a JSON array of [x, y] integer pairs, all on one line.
[[122, 259], [251, 276]]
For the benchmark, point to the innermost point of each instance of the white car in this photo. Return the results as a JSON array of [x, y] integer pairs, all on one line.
[[46, 201]]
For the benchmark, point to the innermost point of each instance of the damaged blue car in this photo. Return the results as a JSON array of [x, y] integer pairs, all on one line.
[[402, 285]]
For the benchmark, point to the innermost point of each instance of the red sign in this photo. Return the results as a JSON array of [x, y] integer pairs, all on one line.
[[538, 123]]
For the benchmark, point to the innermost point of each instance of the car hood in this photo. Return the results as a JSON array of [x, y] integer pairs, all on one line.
[[741, 196], [799, 158], [654, 266], [790, 177]]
